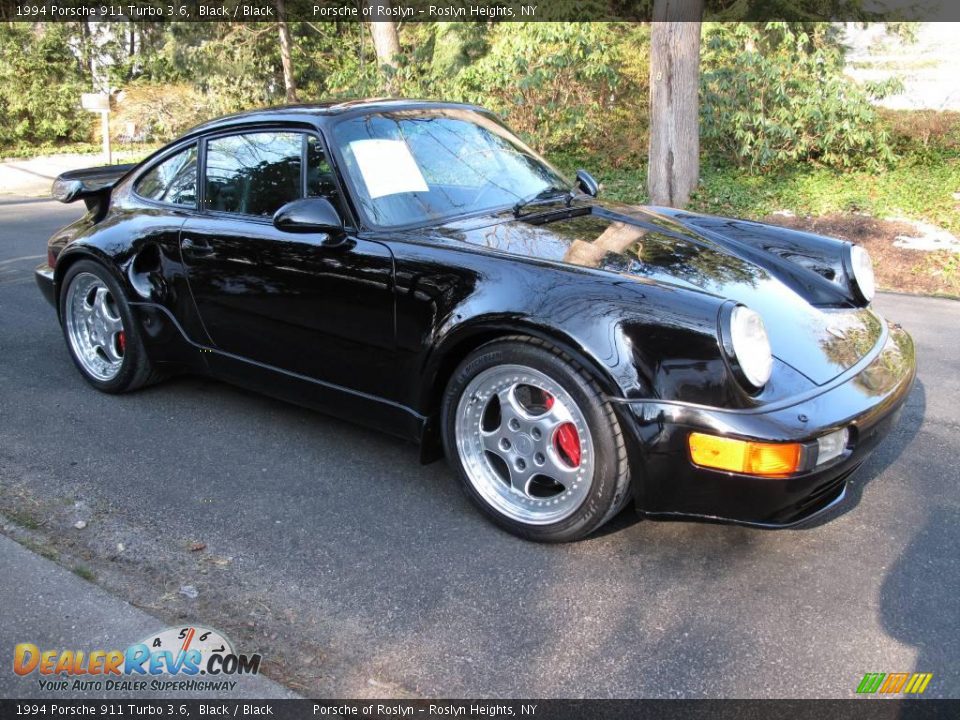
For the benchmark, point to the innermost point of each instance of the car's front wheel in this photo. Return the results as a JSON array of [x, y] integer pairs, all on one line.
[[536, 445], [102, 337]]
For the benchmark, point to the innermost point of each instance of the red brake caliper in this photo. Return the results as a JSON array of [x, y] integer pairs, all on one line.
[[122, 341], [566, 438], [568, 441]]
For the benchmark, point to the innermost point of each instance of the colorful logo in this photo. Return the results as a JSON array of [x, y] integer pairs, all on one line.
[[893, 683], [188, 651]]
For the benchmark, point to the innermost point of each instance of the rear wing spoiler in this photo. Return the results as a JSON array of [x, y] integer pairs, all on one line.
[[93, 185]]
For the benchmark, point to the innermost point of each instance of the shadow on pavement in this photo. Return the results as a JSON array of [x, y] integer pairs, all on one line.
[[912, 609]]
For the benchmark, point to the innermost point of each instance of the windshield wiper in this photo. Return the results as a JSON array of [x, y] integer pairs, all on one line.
[[544, 197]]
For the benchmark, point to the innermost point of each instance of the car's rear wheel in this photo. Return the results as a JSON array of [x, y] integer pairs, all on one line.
[[102, 337], [536, 446]]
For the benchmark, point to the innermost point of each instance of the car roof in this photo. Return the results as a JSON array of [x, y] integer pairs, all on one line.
[[321, 110]]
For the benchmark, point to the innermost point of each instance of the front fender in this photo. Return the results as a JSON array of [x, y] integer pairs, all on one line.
[[815, 266], [638, 340], [455, 342]]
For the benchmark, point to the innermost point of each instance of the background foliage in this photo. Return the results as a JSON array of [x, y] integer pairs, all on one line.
[[773, 93], [786, 99], [40, 84]]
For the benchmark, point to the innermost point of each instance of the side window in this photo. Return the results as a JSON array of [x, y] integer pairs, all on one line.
[[320, 179], [172, 181], [254, 173]]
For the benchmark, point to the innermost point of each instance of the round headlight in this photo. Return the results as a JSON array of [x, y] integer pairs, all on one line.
[[751, 346], [862, 267]]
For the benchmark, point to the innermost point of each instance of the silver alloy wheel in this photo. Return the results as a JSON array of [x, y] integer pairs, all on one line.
[[525, 444], [94, 326]]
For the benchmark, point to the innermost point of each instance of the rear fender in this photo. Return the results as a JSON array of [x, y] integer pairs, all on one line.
[[164, 338]]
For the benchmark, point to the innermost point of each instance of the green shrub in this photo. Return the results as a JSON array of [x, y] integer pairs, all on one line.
[[40, 86], [775, 94], [553, 82]]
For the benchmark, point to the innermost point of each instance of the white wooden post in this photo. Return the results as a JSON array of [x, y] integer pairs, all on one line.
[[105, 129], [100, 102]]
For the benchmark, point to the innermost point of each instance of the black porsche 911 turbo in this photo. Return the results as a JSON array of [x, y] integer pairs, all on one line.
[[415, 267]]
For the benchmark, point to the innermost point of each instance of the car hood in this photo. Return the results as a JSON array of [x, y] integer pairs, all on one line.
[[813, 325]]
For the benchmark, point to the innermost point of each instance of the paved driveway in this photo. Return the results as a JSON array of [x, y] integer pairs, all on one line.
[[359, 572]]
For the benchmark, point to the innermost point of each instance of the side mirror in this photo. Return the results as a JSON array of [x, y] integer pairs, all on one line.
[[309, 215], [586, 183]]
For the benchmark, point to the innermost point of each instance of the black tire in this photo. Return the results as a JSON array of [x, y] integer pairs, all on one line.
[[610, 486], [136, 370]]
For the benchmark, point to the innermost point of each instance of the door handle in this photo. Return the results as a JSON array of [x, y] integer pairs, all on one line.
[[196, 247]]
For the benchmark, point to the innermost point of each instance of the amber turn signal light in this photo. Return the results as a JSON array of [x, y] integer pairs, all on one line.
[[743, 456]]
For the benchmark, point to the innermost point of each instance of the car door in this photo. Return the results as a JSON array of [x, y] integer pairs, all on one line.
[[300, 303]]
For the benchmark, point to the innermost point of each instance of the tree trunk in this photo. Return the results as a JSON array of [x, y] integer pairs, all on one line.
[[674, 161], [131, 49], [87, 45], [289, 81], [386, 42]]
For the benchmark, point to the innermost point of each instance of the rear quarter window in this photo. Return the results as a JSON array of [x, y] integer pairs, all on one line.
[[172, 181]]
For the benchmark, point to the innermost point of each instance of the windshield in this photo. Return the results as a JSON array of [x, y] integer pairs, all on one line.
[[415, 167]]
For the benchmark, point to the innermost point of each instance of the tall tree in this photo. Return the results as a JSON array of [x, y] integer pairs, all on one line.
[[674, 158], [386, 42], [289, 81]]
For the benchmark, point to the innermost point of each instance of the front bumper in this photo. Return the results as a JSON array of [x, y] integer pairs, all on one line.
[[866, 399]]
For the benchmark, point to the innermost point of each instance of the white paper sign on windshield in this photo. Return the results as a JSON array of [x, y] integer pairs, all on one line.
[[388, 167]]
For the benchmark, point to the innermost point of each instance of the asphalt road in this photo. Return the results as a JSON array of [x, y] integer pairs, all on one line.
[[67, 612], [359, 572]]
